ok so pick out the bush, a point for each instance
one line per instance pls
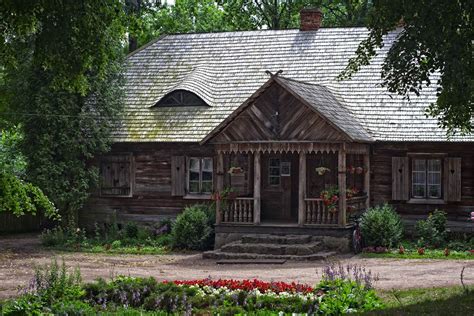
(193, 228)
(432, 231)
(381, 226)
(131, 230)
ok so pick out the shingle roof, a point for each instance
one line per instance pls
(329, 106)
(224, 69)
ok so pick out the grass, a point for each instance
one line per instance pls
(413, 254)
(428, 301)
(123, 250)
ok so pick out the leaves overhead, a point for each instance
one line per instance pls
(437, 36)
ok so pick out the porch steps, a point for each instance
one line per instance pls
(272, 247)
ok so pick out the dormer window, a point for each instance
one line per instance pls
(181, 98)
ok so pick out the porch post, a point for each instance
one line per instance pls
(302, 189)
(257, 184)
(219, 185)
(342, 184)
(367, 178)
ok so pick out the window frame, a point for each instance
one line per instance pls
(426, 172)
(270, 175)
(200, 180)
(179, 97)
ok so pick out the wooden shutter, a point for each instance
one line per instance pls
(116, 175)
(452, 177)
(400, 178)
(178, 175)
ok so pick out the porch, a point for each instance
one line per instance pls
(288, 185)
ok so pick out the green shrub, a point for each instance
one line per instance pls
(432, 231)
(192, 229)
(131, 230)
(381, 226)
(116, 244)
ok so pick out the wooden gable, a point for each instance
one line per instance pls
(278, 115)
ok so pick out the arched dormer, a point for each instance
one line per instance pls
(180, 97)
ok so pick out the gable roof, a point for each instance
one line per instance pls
(225, 69)
(317, 97)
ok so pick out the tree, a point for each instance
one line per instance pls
(62, 64)
(437, 37)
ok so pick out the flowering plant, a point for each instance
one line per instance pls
(235, 170)
(249, 285)
(322, 170)
(330, 198)
(351, 192)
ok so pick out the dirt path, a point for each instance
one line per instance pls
(19, 254)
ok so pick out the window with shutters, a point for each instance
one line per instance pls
(115, 175)
(426, 178)
(200, 177)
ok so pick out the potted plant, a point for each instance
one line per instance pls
(351, 169)
(359, 170)
(351, 192)
(236, 170)
(330, 198)
(322, 170)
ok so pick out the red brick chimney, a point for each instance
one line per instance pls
(310, 19)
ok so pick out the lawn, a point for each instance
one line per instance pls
(427, 301)
(413, 254)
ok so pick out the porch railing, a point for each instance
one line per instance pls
(239, 210)
(318, 213)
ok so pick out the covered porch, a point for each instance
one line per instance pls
(290, 184)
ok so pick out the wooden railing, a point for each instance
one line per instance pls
(318, 213)
(239, 210)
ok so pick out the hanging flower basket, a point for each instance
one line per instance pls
(322, 170)
(351, 169)
(235, 170)
(359, 170)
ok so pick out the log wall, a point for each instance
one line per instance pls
(381, 176)
(151, 198)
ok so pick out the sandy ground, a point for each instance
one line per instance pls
(20, 253)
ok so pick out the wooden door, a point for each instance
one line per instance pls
(279, 188)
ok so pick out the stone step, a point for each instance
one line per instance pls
(273, 249)
(277, 239)
(219, 255)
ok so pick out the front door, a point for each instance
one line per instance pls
(279, 188)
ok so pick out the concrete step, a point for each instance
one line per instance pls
(219, 255)
(277, 239)
(273, 249)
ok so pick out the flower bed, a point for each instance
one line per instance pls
(342, 290)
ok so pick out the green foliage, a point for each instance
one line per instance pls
(437, 36)
(381, 226)
(346, 296)
(20, 197)
(193, 228)
(131, 230)
(432, 231)
(12, 160)
(62, 70)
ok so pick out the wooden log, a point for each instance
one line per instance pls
(342, 184)
(302, 189)
(257, 186)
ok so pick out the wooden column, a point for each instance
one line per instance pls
(367, 178)
(302, 189)
(342, 184)
(257, 185)
(219, 185)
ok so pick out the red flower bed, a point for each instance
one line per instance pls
(249, 285)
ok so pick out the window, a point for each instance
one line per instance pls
(115, 175)
(200, 175)
(274, 171)
(426, 178)
(181, 98)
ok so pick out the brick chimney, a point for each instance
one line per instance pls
(310, 19)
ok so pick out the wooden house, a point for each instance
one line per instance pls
(263, 113)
